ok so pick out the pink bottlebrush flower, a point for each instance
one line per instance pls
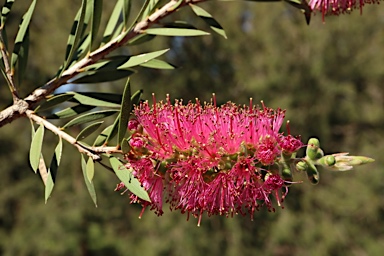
(337, 7)
(209, 159)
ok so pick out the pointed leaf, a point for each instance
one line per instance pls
(90, 186)
(126, 176)
(95, 19)
(126, 11)
(22, 34)
(90, 101)
(69, 112)
(52, 172)
(175, 32)
(125, 112)
(88, 130)
(53, 101)
(203, 14)
(108, 97)
(89, 117)
(113, 22)
(103, 136)
(101, 76)
(142, 58)
(141, 38)
(90, 169)
(75, 35)
(36, 146)
(113, 132)
(23, 57)
(157, 64)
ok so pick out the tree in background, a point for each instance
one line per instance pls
(84, 65)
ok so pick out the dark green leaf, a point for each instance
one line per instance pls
(142, 58)
(157, 64)
(22, 35)
(103, 136)
(90, 169)
(90, 186)
(53, 101)
(175, 32)
(125, 147)
(69, 112)
(88, 130)
(35, 149)
(126, 176)
(114, 130)
(75, 35)
(113, 22)
(95, 19)
(79, 97)
(108, 97)
(52, 172)
(203, 14)
(101, 76)
(125, 112)
(141, 38)
(89, 117)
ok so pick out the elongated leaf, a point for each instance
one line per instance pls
(126, 12)
(109, 63)
(126, 176)
(5, 11)
(142, 58)
(90, 101)
(53, 168)
(125, 112)
(175, 32)
(108, 97)
(88, 130)
(100, 140)
(114, 130)
(22, 35)
(150, 8)
(23, 57)
(35, 149)
(139, 39)
(89, 117)
(54, 101)
(69, 112)
(157, 64)
(101, 76)
(75, 35)
(204, 15)
(95, 19)
(90, 186)
(113, 22)
(90, 169)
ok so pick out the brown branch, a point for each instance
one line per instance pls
(7, 69)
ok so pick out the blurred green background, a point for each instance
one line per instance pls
(329, 77)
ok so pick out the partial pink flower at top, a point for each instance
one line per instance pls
(209, 159)
(337, 7)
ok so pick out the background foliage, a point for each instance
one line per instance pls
(328, 76)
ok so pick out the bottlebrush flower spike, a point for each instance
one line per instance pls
(337, 7)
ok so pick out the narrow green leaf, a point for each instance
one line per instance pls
(113, 22)
(35, 149)
(7, 7)
(175, 32)
(71, 111)
(150, 8)
(108, 63)
(125, 112)
(23, 57)
(90, 186)
(21, 35)
(88, 130)
(126, 12)
(139, 15)
(108, 97)
(157, 64)
(89, 117)
(135, 99)
(80, 98)
(125, 147)
(53, 101)
(90, 168)
(126, 176)
(141, 38)
(53, 168)
(75, 35)
(142, 58)
(100, 140)
(114, 130)
(101, 76)
(204, 15)
(95, 19)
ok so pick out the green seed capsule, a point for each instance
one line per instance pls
(313, 149)
(313, 174)
(301, 166)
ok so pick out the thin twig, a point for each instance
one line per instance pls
(7, 69)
